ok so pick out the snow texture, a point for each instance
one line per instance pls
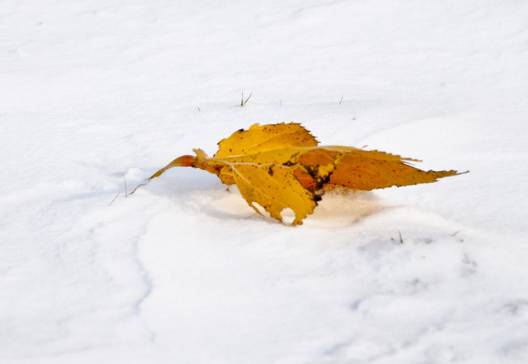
(96, 95)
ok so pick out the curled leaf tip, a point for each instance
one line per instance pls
(183, 161)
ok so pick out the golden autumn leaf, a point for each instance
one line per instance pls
(280, 166)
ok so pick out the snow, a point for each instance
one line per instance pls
(95, 95)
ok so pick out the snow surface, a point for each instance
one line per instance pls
(96, 94)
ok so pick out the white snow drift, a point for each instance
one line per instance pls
(95, 95)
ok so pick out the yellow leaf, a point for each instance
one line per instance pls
(280, 166)
(365, 170)
(274, 188)
(261, 138)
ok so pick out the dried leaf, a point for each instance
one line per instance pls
(281, 166)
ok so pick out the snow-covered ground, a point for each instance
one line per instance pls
(96, 94)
